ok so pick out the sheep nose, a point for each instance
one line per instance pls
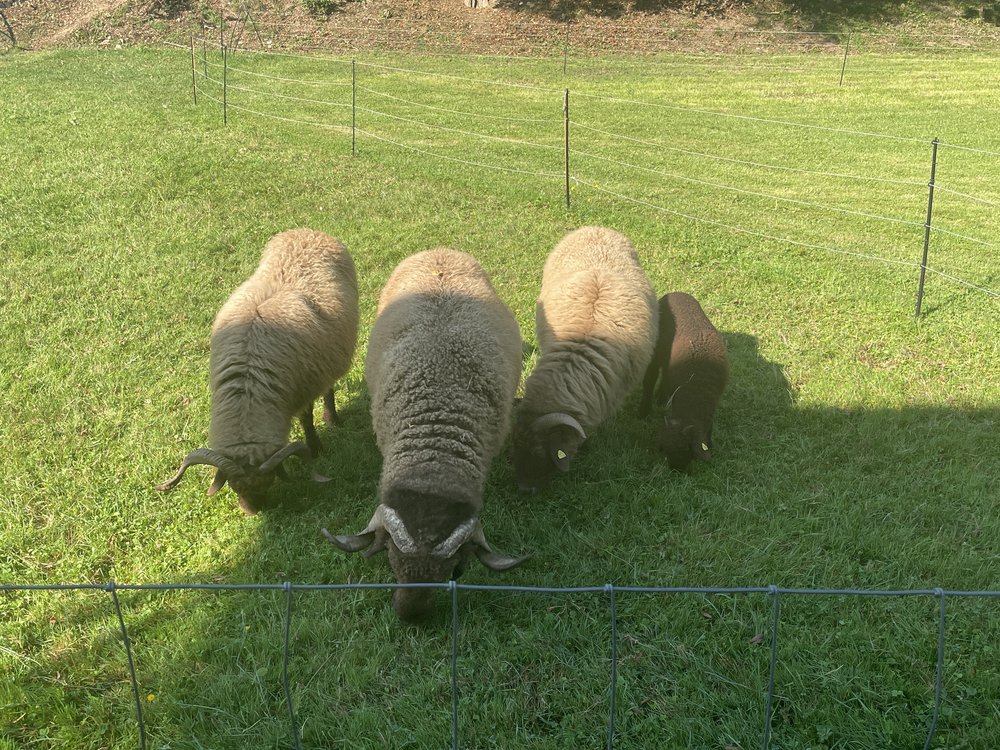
(527, 489)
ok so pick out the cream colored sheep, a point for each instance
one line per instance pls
(279, 342)
(443, 364)
(596, 321)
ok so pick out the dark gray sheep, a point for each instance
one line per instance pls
(691, 365)
(278, 343)
(443, 363)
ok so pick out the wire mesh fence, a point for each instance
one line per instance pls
(776, 594)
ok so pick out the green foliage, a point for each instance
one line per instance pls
(855, 446)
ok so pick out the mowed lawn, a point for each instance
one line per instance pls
(856, 447)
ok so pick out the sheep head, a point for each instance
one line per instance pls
(544, 445)
(417, 554)
(681, 443)
(249, 482)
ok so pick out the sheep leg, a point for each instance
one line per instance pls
(312, 439)
(648, 384)
(330, 408)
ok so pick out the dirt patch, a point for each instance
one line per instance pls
(492, 27)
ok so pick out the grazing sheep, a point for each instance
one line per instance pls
(279, 342)
(596, 323)
(691, 364)
(444, 361)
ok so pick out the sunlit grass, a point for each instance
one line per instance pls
(856, 447)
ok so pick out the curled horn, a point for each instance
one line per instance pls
(201, 456)
(491, 559)
(456, 539)
(299, 449)
(556, 419)
(397, 530)
(373, 535)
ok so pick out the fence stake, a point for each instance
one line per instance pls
(939, 672)
(566, 140)
(454, 663)
(610, 589)
(284, 667)
(204, 55)
(769, 705)
(194, 75)
(354, 88)
(225, 87)
(113, 590)
(927, 226)
(843, 66)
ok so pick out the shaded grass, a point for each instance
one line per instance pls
(857, 447)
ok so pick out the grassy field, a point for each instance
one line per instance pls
(856, 446)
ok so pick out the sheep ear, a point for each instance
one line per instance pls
(562, 452)
(218, 483)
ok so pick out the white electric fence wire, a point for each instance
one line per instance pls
(742, 230)
(304, 82)
(457, 111)
(435, 74)
(230, 105)
(457, 160)
(963, 282)
(786, 123)
(963, 237)
(461, 132)
(939, 189)
(942, 144)
(720, 186)
(730, 160)
(279, 96)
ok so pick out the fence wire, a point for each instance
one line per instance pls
(586, 127)
(610, 590)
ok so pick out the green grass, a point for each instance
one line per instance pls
(856, 447)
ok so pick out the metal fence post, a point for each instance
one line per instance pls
(613, 610)
(112, 589)
(774, 593)
(453, 587)
(286, 685)
(204, 55)
(566, 140)
(927, 226)
(225, 87)
(194, 75)
(843, 66)
(354, 89)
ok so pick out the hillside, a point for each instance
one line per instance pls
(499, 26)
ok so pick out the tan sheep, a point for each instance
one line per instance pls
(596, 321)
(443, 364)
(279, 342)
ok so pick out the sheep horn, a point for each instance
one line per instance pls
(491, 559)
(298, 448)
(201, 456)
(556, 419)
(456, 539)
(397, 530)
(373, 534)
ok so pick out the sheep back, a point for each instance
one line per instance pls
(443, 364)
(280, 341)
(596, 320)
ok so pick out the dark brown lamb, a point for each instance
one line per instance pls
(691, 364)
